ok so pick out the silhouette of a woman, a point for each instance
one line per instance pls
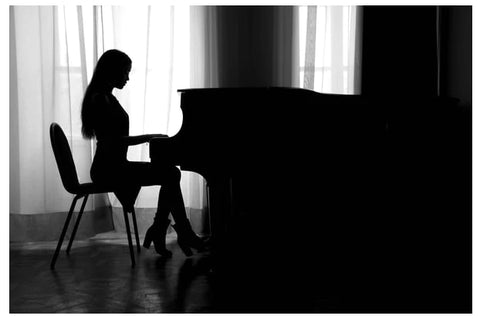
(104, 118)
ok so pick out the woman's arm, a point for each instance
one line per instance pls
(106, 110)
(140, 139)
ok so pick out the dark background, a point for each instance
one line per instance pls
(393, 212)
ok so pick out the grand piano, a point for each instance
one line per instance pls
(245, 141)
(357, 188)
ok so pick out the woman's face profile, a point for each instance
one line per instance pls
(123, 77)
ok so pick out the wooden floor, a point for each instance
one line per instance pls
(97, 278)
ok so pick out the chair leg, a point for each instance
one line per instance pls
(137, 239)
(129, 236)
(74, 232)
(64, 231)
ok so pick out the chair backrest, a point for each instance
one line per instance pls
(64, 158)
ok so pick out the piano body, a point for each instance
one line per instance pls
(261, 149)
(357, 188)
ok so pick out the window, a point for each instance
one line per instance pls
(327, 48)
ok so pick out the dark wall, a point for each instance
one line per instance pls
(399, 50)
(423, 50)
(456, 53)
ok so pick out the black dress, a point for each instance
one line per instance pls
(110, 166)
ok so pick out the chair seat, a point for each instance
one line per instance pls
(126, 197)
(95, 188)
(92, 188)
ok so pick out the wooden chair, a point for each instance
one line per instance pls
(68, 174)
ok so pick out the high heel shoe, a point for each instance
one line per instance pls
(187, 239)
(156, 234)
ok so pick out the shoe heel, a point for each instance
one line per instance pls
(148, 240)
(147, 244)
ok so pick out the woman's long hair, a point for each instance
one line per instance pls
(108, 68)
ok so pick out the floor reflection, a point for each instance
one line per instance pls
(98, 279)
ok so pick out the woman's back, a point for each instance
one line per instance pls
(111, 125)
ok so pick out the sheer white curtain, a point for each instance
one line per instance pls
(45, 86)
(330, 48)
(53, 50)
(47, 80)
(204, 47)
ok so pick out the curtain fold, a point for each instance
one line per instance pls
(204, 50)
(14, 148)
(244, 46)
(48, 88)
(310, 38)
(45, 87)
(330, 48)
(285, 70)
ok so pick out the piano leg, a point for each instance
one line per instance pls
(220, 210)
